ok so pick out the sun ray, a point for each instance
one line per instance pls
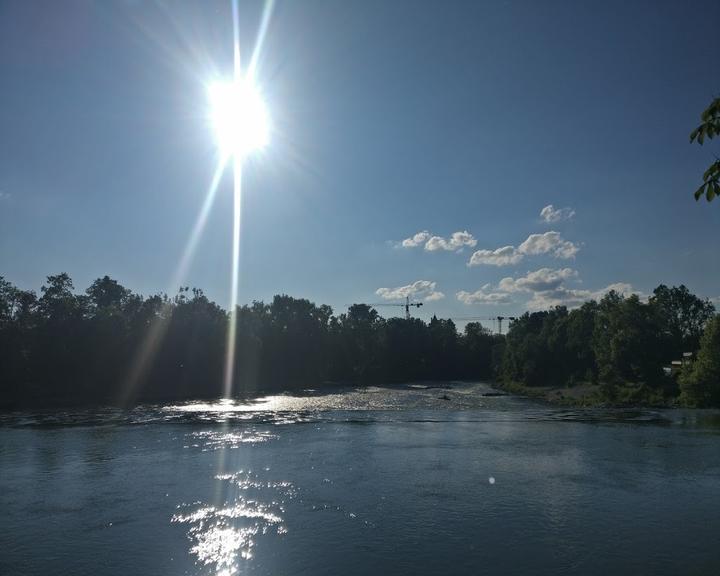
(199, 227)
(240, 122)
(146, 352)
(232, 323)
(262, 32)
(236, 40)
(158, 326)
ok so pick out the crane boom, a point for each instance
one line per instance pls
(407, 305)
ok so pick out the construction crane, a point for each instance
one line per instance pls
(408, 304)
(500, 321)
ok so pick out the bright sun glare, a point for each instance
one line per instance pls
(239, 117)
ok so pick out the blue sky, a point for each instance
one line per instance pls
(389, 119)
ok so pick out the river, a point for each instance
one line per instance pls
(380, 480)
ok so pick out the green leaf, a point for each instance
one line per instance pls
(699, 192)
(710, 192)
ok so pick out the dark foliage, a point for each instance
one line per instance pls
(112, 346)
(109, 345)
(700, 381)
(614, 341)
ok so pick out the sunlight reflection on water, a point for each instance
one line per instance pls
(399, 397)
(249, 504)
(419, 479)
(223, 536)
(225, 405)
(214, 440)
(476, 402)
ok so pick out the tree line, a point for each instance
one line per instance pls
(110, 345)
(618, 341)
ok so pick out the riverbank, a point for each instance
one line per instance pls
(586, 394)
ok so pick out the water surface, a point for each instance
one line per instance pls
(408, 479)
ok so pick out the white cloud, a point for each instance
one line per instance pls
(571, 298)
(537, 281)
(549, 243)
(421, 289)
(560, 296)
(500, 257)
(455, 243)
(416, 240)
(485, 295)
(547, 288)
(550, 214)
(435, 295)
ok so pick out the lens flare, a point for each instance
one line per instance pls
(155, 334)
(239, 117)
(230, 352)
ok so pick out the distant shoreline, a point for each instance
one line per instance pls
(588, 395)
(582, 395)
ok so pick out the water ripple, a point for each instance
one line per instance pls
(213, 440)
(222, 537)
(458, 402)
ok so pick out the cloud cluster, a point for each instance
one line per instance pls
(551, 215)
(572, 298)
(540, 280)
(551, 243)
(416, 240)
(504, 256)
(539, 289)
(455, 243)
(420, 290)
(485, 295)
(547, 288)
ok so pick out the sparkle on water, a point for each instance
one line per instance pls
(223, 536)
(420, 478)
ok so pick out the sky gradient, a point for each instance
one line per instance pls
(394, 126)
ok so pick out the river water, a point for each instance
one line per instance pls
(386, 480)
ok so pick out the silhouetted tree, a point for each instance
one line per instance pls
(627, 341)
(405, 344)
(580, 353)
(614, 341)
(477, 347)
(355, 350)
(443, 361)
(682, 317)
(110, 345)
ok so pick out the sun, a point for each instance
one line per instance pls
(239, 117)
